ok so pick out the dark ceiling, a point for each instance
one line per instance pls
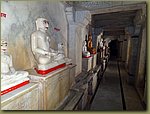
(94, 5)
(113, 23)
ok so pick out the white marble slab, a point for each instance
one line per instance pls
(24, 98)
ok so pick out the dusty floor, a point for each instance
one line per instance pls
(114, 93)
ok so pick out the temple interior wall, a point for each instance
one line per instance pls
(19, 23)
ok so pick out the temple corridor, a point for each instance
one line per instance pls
(74, 55)
(113, 92)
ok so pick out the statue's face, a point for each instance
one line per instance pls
(42, 23)
(101, 33)
(3, 46)
(90, 37)
(46, 24)
(84, 43)
(60, 45)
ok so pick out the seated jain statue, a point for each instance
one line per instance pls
(85, 53)
(46, 58)
(10, 78)
(100, 40)
(90, 45)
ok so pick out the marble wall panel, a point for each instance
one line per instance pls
(53, 87)
(19, 23)
(78, 48)
(24, 98)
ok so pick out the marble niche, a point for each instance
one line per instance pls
(16, 87)
(86, 58)
(54, 72)
(92, 51)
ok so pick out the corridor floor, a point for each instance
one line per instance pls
(114, 93)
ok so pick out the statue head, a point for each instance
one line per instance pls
(101, 34)
(90, 37)
(60, 46)
(101, 42)
(3, 46)
(42, 24)
(84, 43)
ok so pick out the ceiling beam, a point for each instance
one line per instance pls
(114, 15)
(117, 24)
(101, 22)
(128, 7)
(112, 18)
(114, 29)
(112, 26)
(114, 33)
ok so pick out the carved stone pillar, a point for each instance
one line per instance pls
(77, 22)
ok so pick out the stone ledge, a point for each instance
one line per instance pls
(72, 100)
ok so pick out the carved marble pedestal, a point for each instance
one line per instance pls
(86, 64)
(94, 58)
(54, 86)
(24, 98)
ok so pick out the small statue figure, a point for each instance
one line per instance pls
(45, 56)
(6, 61)
(101, 43)
(9, 76)
(85, 53)
(60, 48)
(90, 45)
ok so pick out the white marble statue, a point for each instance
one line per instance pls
(84, 50)
(61, 50)
(6, 60)
(45, 56)
(40, 42)
(100, 40)
(101, 43)
(9, 76)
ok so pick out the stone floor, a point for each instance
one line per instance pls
(114, 93)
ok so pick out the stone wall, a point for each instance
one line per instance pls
(19, 23)
(78, 29)
(142, 59)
